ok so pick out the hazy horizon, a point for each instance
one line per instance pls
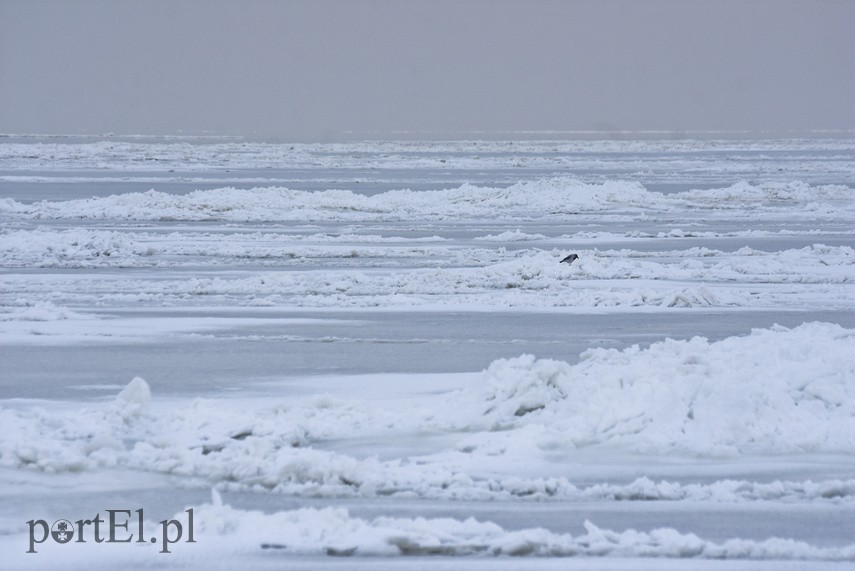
(333, 70)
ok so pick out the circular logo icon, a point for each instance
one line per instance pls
(62, 531)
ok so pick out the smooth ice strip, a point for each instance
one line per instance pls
(43, 323)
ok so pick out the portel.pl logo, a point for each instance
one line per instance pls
(118, 527)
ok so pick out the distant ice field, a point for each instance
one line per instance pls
(50, 169)
(371, 350)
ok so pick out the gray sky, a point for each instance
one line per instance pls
(320, 69)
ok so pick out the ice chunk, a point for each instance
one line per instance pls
(134, 400)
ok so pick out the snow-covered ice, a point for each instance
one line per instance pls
(779, 391)
(371, 320)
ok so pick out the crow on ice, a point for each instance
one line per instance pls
(570, 259)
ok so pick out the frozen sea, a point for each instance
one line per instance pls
(367, 355)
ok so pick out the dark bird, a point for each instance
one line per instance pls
(570, 259)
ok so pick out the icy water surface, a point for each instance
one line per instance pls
(317, 346)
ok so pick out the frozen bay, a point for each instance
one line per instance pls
(327, 328)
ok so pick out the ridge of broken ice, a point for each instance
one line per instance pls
(335, 532)
(189, 155)
(470, 277)
(775, 391)
(550, 198)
